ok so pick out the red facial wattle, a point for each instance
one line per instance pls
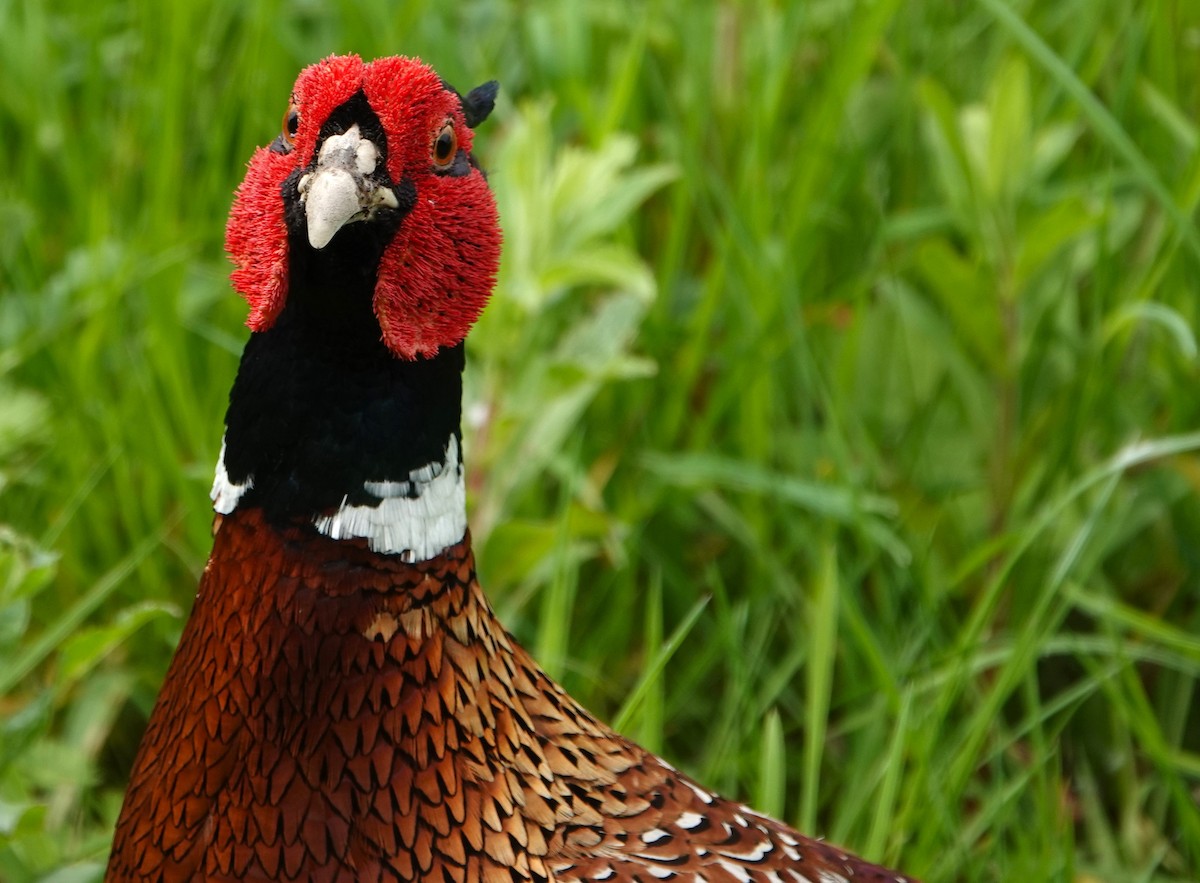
(436, 274)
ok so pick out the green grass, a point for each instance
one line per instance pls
(834, 427)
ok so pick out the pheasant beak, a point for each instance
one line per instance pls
(340, 188)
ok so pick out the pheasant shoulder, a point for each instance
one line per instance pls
(623, 814)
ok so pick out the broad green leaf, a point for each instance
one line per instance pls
(965, 292)
(1009, 133)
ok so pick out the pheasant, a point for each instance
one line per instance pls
(344, 704)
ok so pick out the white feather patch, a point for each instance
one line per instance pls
(756, 854)
(830, 877)
(740, 873)
(416, 518)
(225, 494)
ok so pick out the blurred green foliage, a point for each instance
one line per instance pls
(833, 428)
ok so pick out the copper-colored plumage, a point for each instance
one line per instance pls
(334, 714)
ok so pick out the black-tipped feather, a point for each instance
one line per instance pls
(479, 102)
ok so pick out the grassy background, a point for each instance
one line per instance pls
(833, 429)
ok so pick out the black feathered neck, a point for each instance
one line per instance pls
(321, 405)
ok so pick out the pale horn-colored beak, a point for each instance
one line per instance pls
(339, 190)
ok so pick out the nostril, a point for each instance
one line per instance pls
(366, 157)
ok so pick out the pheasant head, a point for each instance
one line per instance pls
(374, 161)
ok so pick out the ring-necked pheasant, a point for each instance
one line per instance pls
(344, 705)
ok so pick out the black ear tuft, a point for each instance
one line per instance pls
(478, 103)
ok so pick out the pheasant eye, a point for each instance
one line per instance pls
(291, 125)
(445, 146)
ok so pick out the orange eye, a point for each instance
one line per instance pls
(445, 147)
(291, 125)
